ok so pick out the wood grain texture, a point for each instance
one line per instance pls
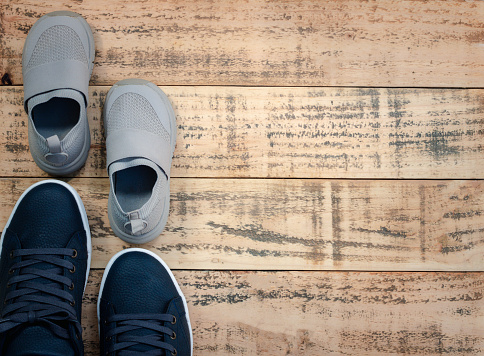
(286, 43)
(321, 313)
(293, 132)
(255, 85)
(246, 224)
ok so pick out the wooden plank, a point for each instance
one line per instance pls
(293, 132)
(290, 43)
(292, 224)
(321, 313)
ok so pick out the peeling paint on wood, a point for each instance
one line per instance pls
(293, 132)
(266, 224)
(322, 313)
(286, 43)
(295, 126)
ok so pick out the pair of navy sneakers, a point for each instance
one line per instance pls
(44, 266)
(46, 243)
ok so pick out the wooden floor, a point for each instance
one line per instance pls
(327, 192)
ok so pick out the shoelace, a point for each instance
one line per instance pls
(35, 302)
(130, 322)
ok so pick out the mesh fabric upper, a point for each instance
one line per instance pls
(57, 43)
(133, 111)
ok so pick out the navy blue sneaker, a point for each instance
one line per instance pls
(44, 263)
(141, 309)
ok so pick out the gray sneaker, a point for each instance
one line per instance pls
(57, 63)
(140, 130)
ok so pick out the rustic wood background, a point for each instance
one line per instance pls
(327, 194)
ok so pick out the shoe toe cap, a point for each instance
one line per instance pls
(47, 216)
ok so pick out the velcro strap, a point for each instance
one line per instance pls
(67, 74)
(131, 143)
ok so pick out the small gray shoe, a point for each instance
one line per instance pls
(140, 128)
(57, 62)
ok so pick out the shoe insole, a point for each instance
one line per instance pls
(56, 117)
(133, 186)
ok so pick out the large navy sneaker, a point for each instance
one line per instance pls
(44, 263)
(141, 309)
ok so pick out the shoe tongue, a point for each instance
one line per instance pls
(58, 93)
(38, 340)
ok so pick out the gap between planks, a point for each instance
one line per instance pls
(101, 269)
(107, 87)
(271, 178)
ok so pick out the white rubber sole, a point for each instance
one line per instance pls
(158, 258)
(80, 205)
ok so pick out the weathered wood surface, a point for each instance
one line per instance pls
(321, 313)
(279, 132)
(293, 132)
(266, 224)
(284, 43)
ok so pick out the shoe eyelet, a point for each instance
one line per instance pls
(8, 284)
(108, 338)
(71, 287)
(174, 353)
(11, 254)
(173, 336)
(174, 320)
(72, 303)
(74, 253)
(11, 271)
(73, 269)
(105, 322)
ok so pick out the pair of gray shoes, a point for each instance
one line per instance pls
(139, 122)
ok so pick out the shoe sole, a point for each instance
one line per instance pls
(158, 258)
(81, 159)
(158, 229)
(80, 205)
